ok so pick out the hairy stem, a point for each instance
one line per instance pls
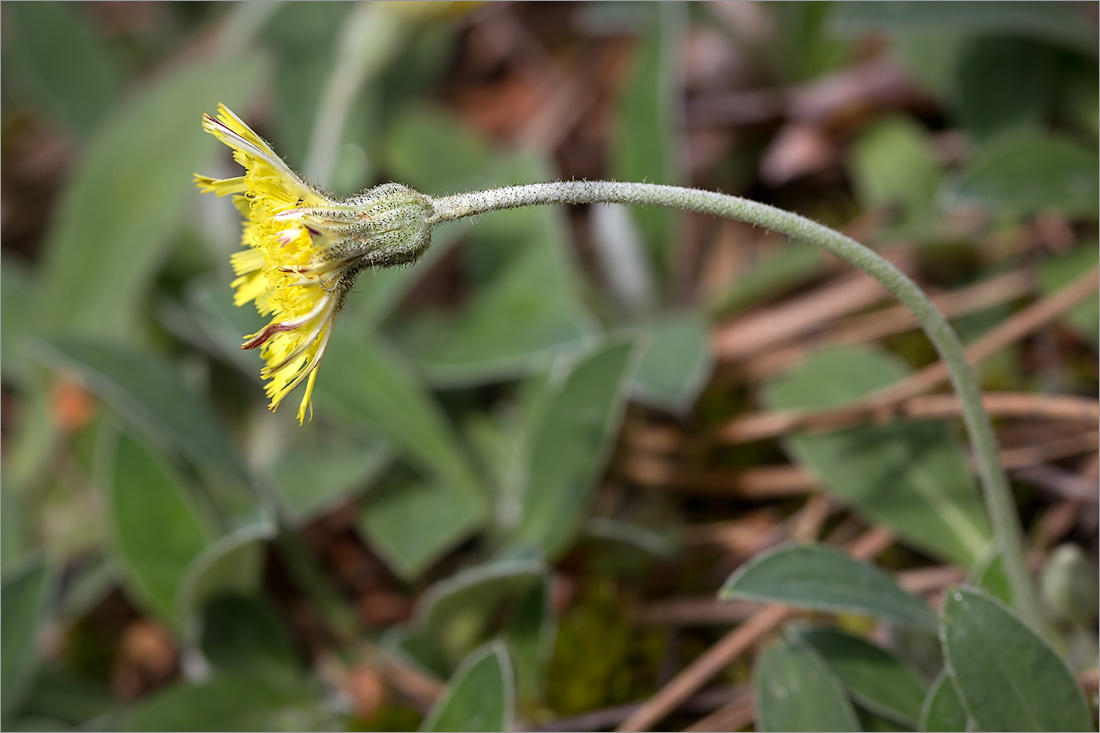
(998, 499)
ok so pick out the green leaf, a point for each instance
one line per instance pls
(366, 385)
(525, 300)
(30, 724)
(1077, 97)
(569, 444)
(799, 46)
(480, 696)
(913, 477)
(364, 46)
(1058, 271)
(149, 392)
(208, 302)
(988, 573)
(301, 37)
(243, 636)
(643, 146)
(418, 648)
(515, 323)
(411, 524)
(930, 58)
(530, 637)
(72, 700)
(234, 563)
(1040, 20)
(1068, 587)
(63, 65)
(794, 690)
(313, 476)
(434, 152)
(456, 612)
(892, 163)
(675, 362)
(822, 578)
(873, 723)
(942, 710)
(157, 529)
(16, 315)
(226, 703)
(23, 604)
(128, 193)
(1024, 174)
(15, 522)
(1006, 675)
(1003, 84)
(875, 678)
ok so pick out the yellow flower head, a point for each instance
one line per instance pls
(303, 251)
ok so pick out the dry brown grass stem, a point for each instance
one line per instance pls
(1015, 405)
(772, 482)
(889, 321)
(886, 402)
(734, 715)
(735, 643)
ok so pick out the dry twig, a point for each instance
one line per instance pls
(889, 321)
(762, 425)
(733, 644)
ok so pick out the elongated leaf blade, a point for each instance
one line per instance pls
(569, 443)
(1040, 20)
(65, 67)
(16, 316)
(126, 197)
(366, 385)
(913, 477)
(67, 697)
(1006, 675)
(644, 146)
(243, 635)
(515, 324)
(411, 524)
(794, 690)
(480, 696)
(524, 305)
(1024, 174)
(233, 563)
(151, 394)
(675, 362)
(1058, 271)
(530, 637)
(314, 476)
(892, 163)
(875, 678)
(1004, 84)
(942, 710)
(229, 703)
(456, 611)
(823, 578)
(22, 610)
(158, 531)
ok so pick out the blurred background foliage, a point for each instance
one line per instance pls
(519, 493)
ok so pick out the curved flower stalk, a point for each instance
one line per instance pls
(304, 250)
